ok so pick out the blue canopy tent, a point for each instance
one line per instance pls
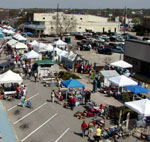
(72, 83)
(1, 35)
(136, 89)
(28, 33)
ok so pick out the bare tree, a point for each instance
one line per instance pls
(63, 24)
(107, 60)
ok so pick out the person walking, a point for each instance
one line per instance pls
(52, 96)
(72, 103)
(98, 134)
(22, 101)
(83, 127)
(35, 76)
(90, 130)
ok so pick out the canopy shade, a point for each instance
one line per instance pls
(72, 83)
(12, 42)
(121, 64)
(122, 81)
(10, 77)
(109, 73)
(20, 45)
(31, 55)
(136, 89)
(59, 43)
(45, 62)
(141, 106)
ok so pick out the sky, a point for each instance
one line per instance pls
(78, 4)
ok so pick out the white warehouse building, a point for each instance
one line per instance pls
(46, 23)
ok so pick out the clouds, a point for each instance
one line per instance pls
(88, 4)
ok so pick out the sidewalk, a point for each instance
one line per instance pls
(6, 130)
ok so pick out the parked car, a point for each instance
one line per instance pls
(106, 51)
(6, 66)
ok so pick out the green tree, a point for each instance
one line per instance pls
(136, 20)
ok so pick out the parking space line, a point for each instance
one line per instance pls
(30, 113)
(62, 134)
(38, 128)
(25, 100)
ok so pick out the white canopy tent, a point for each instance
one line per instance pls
(142, 107)
(33, 43)
(20, 45)
(60, 44)
(122, 81)
(19, 37)
(12, 42)
(49, 48)
(106, 74)
(31, 55)
(39, 47)
(10, 77)
(121, 64)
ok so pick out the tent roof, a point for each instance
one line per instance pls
(122, 81)
(136, 89)
(33, 43)
(12, 42)
(121, 64)
(10, 77)
(49, 47)
(72, 83)
(140, 106)
(20, 45)
(44, 62)
(31, 55)
(109, 73)
(59, 42)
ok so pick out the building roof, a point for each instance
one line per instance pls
(138, 41)
(34, 26)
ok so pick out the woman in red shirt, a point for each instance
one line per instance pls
(83, 127)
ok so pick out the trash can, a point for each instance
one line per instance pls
(67, 39)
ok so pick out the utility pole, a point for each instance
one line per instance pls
(57, 19)
(125, 16)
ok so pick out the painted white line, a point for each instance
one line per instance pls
(29, 113)
(38, 128)
(62, 134)
(20, 103)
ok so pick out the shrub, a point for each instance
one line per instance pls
(67, 75)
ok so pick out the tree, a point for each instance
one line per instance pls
(136, 20)
(63, 24)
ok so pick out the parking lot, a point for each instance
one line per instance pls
(44, 122)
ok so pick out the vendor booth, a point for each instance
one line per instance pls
(105, 75)
(10, 77)
(70, 84)
(43, 67)
(121, 64)
(122, 81)
(31, 55)
(60, 44)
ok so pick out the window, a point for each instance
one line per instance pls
(80, 18)
(71, 18)
(43, 18)
(79, 27)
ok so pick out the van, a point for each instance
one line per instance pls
(6, 66)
